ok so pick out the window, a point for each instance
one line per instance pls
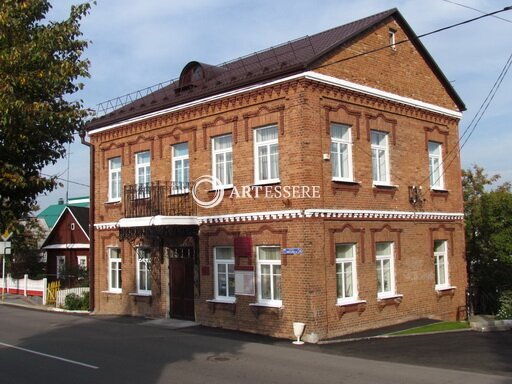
(441, 263)
(392, 39)
(61, 267)
(269, 275)
(114, 179)
(223, 160)
(180, 168)
(435, 160)
(114, 270)
(142, 174)
(385, 270)
(143, 260)
(82, 262)
(341, 152)
(224, 258)
(380, 157)
(266, 155)
(346, 278)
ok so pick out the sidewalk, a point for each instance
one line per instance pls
(35, 302)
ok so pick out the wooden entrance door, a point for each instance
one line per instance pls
(181, 283)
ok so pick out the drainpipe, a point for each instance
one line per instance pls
(82, 135)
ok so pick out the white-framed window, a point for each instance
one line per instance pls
(380, 157)
(392, 38)
(269, 275)
(143, 261)
(224, 273)
(143, 173)
(435, 161)
(385, 270)
(114, 179)
(346, 275)
(222, 156)
(61, 266)
(114, 269)
(82, 262)
(341, 152)
(441, 263)
(180, 168)
(266, 158)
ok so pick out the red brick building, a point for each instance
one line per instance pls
(338, 185)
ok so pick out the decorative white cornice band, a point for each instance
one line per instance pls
(67, 246)
(281, 215)
(382, 215)
(310, 75)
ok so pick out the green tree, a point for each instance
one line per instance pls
(488, 216)
(40, 68)
(25, 258)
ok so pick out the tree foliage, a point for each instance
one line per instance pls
(41, 66)
(488, 215)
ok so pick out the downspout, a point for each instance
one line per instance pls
(91, 273)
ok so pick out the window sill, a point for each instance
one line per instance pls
(227, 305)
(348, 303)
(266, 182)
(221, 187)
(345, 185)
(180, 193)
(358, 306)
(113, 292)
(445, 291)
(438, 190)
(221, 301)
(267, 305)
(384, 186)
(390, 297)
(345, 181)
(258, 309)
(140, 294)
(113, 202)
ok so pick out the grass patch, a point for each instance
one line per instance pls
(436, 327)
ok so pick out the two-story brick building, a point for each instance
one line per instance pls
(336, 200)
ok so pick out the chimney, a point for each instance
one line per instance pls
(61, 201)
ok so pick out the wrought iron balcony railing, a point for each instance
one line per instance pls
(167, 199)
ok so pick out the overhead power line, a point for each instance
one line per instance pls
(66, 180)
(477, 10)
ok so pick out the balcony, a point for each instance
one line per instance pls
(165, 199)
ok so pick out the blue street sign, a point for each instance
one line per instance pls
(292, 251)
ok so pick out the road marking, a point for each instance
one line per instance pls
(50, 356)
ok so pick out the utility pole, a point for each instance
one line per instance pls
(5, 247)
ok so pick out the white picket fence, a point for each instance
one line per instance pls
(25, 286)
(61, 295)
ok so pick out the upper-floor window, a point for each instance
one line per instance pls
(114, 270)
(341, 152)
(143, 260)
(224, 276)
(385, 270)
(441, 263)
(143, 173)
(435, 160)
(380, 157)
(223, 160)
(269, 275)
(114, 179)
(346, 277)
(392, 38)
(180, 168)
(266, 155)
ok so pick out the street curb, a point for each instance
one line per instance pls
(389, 336)
(45, 309)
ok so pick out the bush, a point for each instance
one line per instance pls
(76, 302)
(505, 306)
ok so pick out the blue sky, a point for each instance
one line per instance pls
(138, 43)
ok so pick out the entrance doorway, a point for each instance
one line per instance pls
(181, 283)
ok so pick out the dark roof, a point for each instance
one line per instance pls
(272, 63)
(82, 216)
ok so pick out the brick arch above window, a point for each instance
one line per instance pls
(380, 122)
(220, 126)
(343, 115)
(387, 233)
(359, 234)
(264, 115)
(177, 134)
(437, 134)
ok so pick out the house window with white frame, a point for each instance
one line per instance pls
(385, 270)
(341, 152)
(441, 263)
(435, 160)
(392, 38)
(346, 276)
(61, 267)
(269, 275)
(380, 157)
(114, 270)
(222, 155)
(180, 168)
(143, 260)
(114, 179)
(266, 151)
(82, 262)
(224, 274)
(143, 173)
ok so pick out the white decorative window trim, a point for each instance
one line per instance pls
(367, 214)
(105, 226)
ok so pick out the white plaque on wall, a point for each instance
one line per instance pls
(244, 283)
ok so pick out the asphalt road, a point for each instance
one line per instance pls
(40, 347)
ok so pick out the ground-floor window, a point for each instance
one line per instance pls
(441, 263)
(143, 258)
(269, 275)
(385, 270)
(224, 274)
(346, 277)
(114, 270)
